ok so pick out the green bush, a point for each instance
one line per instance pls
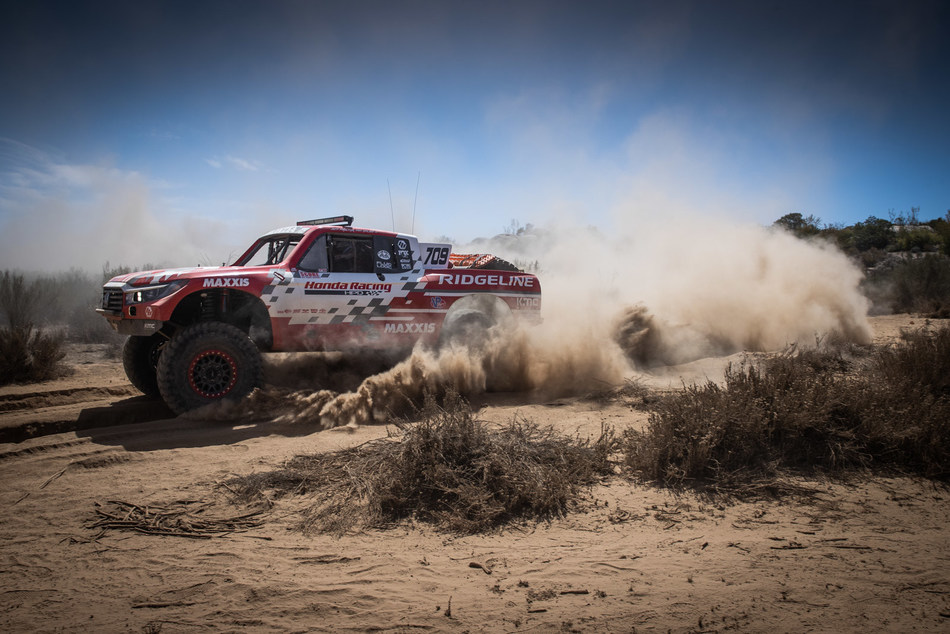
(873, 233)
(799, 225)
(917, 239)
(941, 227)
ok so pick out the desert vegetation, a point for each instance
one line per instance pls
(906, 261)
(40, 314)
(832, 411)
(821, 411)
(447, 468)
(26, 353)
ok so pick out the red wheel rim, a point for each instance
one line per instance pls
(212, 373)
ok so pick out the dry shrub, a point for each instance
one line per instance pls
(798, 413)
(28, 355)
(906, 403)
(631, 393)
(919, 285)
(448, 469)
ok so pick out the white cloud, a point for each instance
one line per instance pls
(56, 215)
(238, 163)
(243, 164)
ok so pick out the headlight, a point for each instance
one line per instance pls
(152, 293)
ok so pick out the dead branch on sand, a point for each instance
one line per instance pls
(179, 519)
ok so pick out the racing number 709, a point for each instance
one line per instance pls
(437, 255)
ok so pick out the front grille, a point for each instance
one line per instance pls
(112, 299)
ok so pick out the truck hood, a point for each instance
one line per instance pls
(163, 276)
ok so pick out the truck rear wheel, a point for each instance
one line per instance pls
(466, 327)
(207, 363)
(140, 358)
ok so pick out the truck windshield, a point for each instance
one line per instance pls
(270, 250)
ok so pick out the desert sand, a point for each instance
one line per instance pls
(866, 554)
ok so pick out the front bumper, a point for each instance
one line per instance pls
(134, 327)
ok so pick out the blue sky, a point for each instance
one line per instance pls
(145, 131)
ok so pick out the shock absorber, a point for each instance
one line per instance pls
(223, 303)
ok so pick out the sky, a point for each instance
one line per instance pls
(147, 131)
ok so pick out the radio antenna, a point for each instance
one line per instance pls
(414, 200)
(392, 214)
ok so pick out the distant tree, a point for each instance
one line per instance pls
(905, 218)
(19, 300)
(801, 226)
(941, 227)
(513, 228)
(873, 233)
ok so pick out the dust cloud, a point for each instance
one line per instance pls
(653, 296)
(681, 290)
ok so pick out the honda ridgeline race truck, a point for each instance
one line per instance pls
(196, 334)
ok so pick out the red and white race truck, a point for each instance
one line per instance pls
(197, 333)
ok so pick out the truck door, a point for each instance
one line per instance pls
(340, 292)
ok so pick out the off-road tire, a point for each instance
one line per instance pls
(207, 363)
(140, 359)
(466, 327)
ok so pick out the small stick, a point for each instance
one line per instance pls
(475, 564)
(162, 604)
(53, 477)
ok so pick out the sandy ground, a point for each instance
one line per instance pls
(865, 555)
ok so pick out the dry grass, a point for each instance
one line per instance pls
(815, 410)
(448, 469)
(28, 355)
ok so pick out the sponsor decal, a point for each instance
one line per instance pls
(229, 282)
(437, 303)
(402, 245)
(469, 279)
(383, 255)
(303, 311)
(348, 286)
(416, 329)
(528, 302)
(436, 255)
(384, 265)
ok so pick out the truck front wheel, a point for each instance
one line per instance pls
(206, 363)
(140, 358)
